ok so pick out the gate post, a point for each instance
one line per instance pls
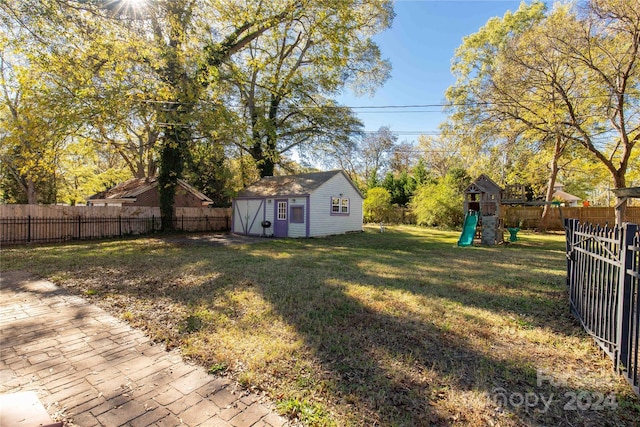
(625, 316)
(570, 226)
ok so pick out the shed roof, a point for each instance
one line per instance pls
(291, 185)
(131, 189)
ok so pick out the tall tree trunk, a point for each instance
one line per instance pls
(621, 205)
(32, 194)
(171, 167)
(553, 175)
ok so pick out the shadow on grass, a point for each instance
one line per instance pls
(362, 348)
(380, 363)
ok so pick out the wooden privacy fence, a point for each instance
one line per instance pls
(603, 276)
(27, 224)
(529, 216)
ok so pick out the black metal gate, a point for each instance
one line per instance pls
(603, 276)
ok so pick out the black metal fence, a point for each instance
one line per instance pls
(603, 276)
(47, 230)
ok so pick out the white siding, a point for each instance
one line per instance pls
(269, 215)
(248, 214)
(322, 222)
(298, 229)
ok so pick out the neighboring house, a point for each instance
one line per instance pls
(305, 205)
(144, 192)
(569, 199)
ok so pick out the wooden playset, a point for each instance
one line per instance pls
(483, 202)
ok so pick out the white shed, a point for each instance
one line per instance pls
(305, 205)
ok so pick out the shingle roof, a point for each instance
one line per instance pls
(563, 195)
(290, 185)
(134, 187)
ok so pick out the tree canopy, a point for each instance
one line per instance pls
(170, 84)
(563, 82)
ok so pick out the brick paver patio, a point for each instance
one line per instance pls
(91, 369)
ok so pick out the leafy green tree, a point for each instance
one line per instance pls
(285, 80)
(556, 81)
(603, 47)
(178, 45)
(85, 168)
(420, 173)
(37, 124)
(441, 203)
(207, 169)
(401, 187)
(377, 205)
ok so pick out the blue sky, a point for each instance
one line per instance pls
(420, 46)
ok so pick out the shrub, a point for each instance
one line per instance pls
(439, 204)
(377, 206)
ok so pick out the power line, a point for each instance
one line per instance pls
(377, 107)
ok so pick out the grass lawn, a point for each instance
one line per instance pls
(395, 329)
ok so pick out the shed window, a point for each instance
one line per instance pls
(282, 211)
(339, 205)
(297, 214)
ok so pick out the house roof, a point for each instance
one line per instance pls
(129, 190)
(291, 185)
(563, 195)
(484, 184)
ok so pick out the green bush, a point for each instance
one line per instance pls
(377, 206)
(439, 204)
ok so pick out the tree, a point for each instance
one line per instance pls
(84, 168)
(440, 154)
(37, 125)
(284, 81)
(420, 173)
(376, 149)
(440, 203)
(401, 188)
(558, 81)
(403, 157)
(208, 170)
(377, 205)
(604, 47)
(181, 55)
(489, 93)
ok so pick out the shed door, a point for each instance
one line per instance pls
(280, 228)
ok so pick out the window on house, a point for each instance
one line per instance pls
(339, 205)
(282, 211)
(297, 214)
(335, 204)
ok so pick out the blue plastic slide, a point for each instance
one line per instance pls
(468, 229)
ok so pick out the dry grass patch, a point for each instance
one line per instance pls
(394, 329)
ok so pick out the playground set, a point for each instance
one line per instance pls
(483, 201)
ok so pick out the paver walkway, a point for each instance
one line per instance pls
(89, 368)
